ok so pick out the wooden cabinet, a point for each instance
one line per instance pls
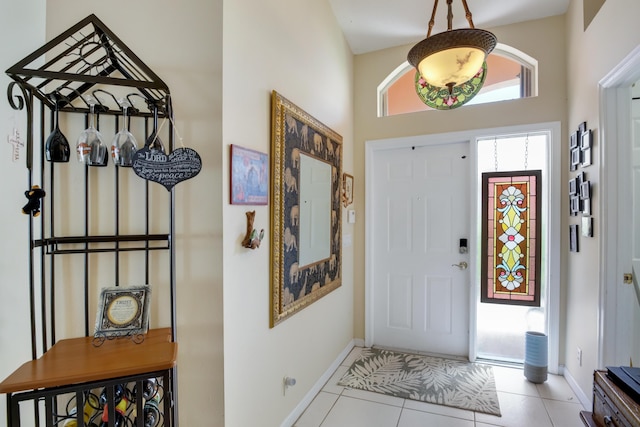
(119, 381)
(611, 405)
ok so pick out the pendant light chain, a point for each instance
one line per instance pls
(526, 152)
(495, 153)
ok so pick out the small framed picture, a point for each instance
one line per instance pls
(123, 311)
(573, 139)
(582, 127)
(587, 226)
(585, 148)
(586, 157)
(347, 189)
(586, 206)
(585, 190)
(249, 180)
(573, 186)
(575, 206)
(575, 158)
(573, 238)
(585, 139)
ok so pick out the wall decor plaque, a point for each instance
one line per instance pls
(167, 170)
(122, 312)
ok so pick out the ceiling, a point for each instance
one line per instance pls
(370, 25)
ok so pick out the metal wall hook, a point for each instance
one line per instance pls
(99, 107)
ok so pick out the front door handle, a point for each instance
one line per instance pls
(462, 266)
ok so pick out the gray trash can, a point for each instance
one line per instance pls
(535, 357)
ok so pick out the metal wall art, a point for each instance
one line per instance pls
(580, 191)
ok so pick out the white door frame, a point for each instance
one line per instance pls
(614, 127)
(553, 315)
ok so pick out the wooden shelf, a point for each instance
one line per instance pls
(76, 360)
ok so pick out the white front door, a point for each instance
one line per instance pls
(421, 211)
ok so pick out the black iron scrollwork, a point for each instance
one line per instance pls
(23, 100)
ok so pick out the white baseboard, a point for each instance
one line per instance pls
(583, 398)
(308, 398)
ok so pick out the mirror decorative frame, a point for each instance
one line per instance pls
(294, 131)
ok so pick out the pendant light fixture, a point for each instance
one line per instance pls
(453, 57)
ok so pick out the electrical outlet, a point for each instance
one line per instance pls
(579, 356)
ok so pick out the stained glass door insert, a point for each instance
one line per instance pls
(510, 238)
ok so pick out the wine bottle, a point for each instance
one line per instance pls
(91, 406)
(118, 394)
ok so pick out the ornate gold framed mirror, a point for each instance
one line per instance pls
(306, 223)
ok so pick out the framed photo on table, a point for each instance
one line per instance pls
(122, 312)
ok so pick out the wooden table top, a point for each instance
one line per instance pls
(76, 360)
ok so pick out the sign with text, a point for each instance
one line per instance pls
(168, 170)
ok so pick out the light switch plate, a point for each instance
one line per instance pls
(351, 216)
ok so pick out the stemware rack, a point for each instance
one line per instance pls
(90, 60)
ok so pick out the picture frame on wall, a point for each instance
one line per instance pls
(573, 139)
(587, 226)
(585, 148)
(347, 189)
(249, 180)
(575, 158)
(586, 206)
(585, 190)
(573, 238)
(573, 187)
(575, 205)
(582, 127)
(574, 151)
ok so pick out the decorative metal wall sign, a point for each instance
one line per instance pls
(510, 272)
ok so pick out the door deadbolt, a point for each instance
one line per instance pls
(462, 266)
(627, 278)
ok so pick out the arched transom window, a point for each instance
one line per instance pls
(511, 74)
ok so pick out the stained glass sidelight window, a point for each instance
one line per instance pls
(511, 238)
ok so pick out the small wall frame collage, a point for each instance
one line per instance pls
(580, 144)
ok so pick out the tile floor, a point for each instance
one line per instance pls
(523, 404)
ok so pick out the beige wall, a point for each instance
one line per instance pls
(542, 39)
(591, 55)
(297, 49)
(300, 51)
(22, 23)
(182, 43)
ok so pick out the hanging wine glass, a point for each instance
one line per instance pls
(124, 145)
(91, 148)
(154, 142)
(57, 147)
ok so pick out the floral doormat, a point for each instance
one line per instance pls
(429, 379)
